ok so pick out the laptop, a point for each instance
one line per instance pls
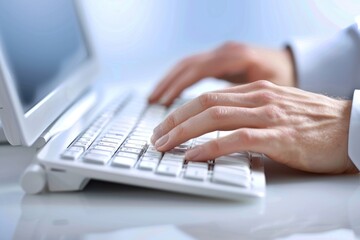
(50, 99)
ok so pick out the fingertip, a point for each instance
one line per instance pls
(153, 97)
(151, 101)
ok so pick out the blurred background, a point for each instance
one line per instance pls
(141, 39)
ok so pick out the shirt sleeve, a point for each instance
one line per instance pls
(332, 66)
(354, 130)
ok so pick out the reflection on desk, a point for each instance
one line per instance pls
(297, 205)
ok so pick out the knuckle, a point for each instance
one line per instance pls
(286, 133)
(263, 84)
(218, 113)
(273, 113)
(208, 100)
(267, 97)
(244, 137)
(180, 130)
(170, 121)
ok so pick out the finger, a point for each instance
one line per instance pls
(238, 78)
(187, 78)
(198, 105)
(171, 77)
(215, 118)
(246, 139)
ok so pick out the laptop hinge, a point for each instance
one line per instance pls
(68, 119)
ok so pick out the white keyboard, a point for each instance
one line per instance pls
(120, 139)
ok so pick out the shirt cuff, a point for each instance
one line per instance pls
(354, 130)
(329, 66)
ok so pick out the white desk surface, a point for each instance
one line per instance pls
(297, 206)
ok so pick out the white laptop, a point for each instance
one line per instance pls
(49, 99)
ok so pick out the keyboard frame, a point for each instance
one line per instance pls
(70, 175)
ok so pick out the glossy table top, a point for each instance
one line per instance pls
(297, 206)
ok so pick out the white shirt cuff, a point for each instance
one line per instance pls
(329, 66)
(354, 130)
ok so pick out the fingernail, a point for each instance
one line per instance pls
(162, 141)
(193, 153)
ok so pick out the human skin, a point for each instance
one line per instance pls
(234, 62)
(301, 129)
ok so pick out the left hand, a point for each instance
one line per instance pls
(301, 129)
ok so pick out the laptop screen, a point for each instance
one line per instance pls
(43, 43)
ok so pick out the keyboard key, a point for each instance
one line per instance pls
(105, 148)
(196, 173)
(155, 154)
(181, 148)
(86, 139)
(125, 162)
(144, 133)
(151, 147)
(173, 162)
(170, 155)
(131, 150)
(168, 170)
(130, 145)
(100, 152)
(72, 153)
(127, 155)
(140, 142)
(148, 165)
(142, 138)
(115, 136)
(118, 132)
(84, 145)
(107, 144)
(177, 151)
(186, 144)
(239, 154)
(174, 157)
(76, 149)
(233, 162)
(237, 170)
(231, 179)
(151, 158)
(198, 164)
(96, 158)
(88, 135)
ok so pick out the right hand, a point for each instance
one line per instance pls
(234, 62)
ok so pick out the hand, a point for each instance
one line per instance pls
(234, 62)
(301, 129)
